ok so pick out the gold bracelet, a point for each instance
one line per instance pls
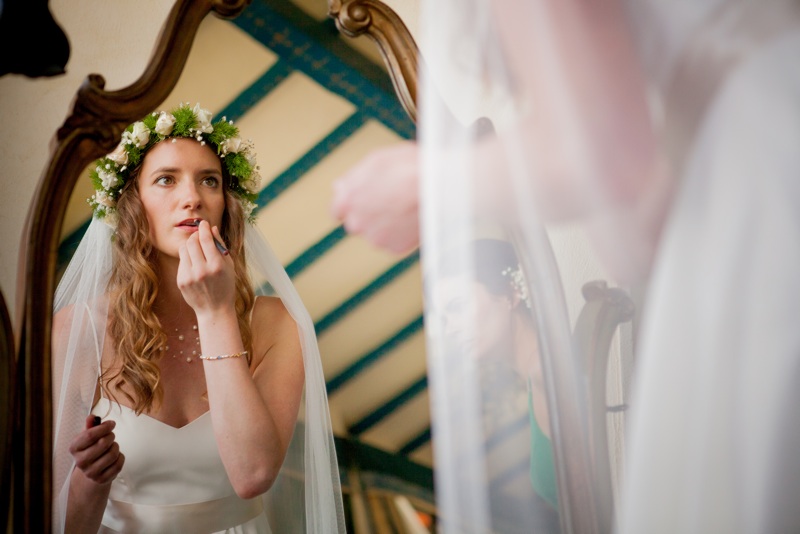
(223, 356)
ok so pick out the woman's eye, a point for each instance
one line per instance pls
(164, 180)
(211, 181)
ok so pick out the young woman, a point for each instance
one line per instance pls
(177, 389)
(488, 323)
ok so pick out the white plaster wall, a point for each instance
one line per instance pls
(110, 37)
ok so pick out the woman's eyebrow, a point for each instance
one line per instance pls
(160, 170)
(209, 170)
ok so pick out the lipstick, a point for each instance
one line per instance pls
(222, 248)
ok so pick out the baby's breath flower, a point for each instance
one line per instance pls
(247, 208)
(109, 179)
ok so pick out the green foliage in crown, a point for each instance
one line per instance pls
(113, 171)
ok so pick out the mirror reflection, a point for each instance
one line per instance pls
(486, 312)
(312, 106)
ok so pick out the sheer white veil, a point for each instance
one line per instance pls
(666, 132)
(306, 497)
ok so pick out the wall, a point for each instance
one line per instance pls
(114, 39)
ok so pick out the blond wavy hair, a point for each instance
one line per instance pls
(135, 330)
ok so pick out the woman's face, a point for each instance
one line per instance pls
(476, 320)
(179, 183)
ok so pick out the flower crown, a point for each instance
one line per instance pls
(114, 170)
(517, 279)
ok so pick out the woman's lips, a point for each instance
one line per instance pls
(194, 223)
(190, 222)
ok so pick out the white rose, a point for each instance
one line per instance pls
(111, 218)
(231, 146)
(165, 123)
(250, 156)
(102, 198)
(203, 119)
(253, 183)
(120, 155)
(139, 136)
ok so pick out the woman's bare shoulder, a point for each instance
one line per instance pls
(95, 311)
(270, 313)
(267, 304)
(272, 324)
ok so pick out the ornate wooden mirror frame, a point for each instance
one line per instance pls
(93, 127)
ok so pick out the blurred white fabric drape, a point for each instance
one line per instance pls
(670, 131)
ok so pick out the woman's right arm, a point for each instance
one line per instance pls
(98, 461)
(96, 454)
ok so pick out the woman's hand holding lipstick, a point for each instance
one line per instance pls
(218, 242)
(206, 277)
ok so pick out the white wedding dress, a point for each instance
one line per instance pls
(173, 480)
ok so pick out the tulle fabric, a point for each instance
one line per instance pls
(664, 130)
(306, 496)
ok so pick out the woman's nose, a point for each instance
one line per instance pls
(190, 196)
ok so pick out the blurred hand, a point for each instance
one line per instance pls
(96, 453)
(378, 199)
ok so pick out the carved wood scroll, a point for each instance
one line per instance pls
(380, 23)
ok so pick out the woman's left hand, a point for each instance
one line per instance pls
(206, 277)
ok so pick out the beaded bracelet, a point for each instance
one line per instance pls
(223, 356)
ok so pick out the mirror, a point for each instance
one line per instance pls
(312, 106)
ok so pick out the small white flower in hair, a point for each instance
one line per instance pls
(517, 279)
(108, 179)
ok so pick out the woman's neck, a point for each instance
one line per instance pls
(526, 344)
(169, 299)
